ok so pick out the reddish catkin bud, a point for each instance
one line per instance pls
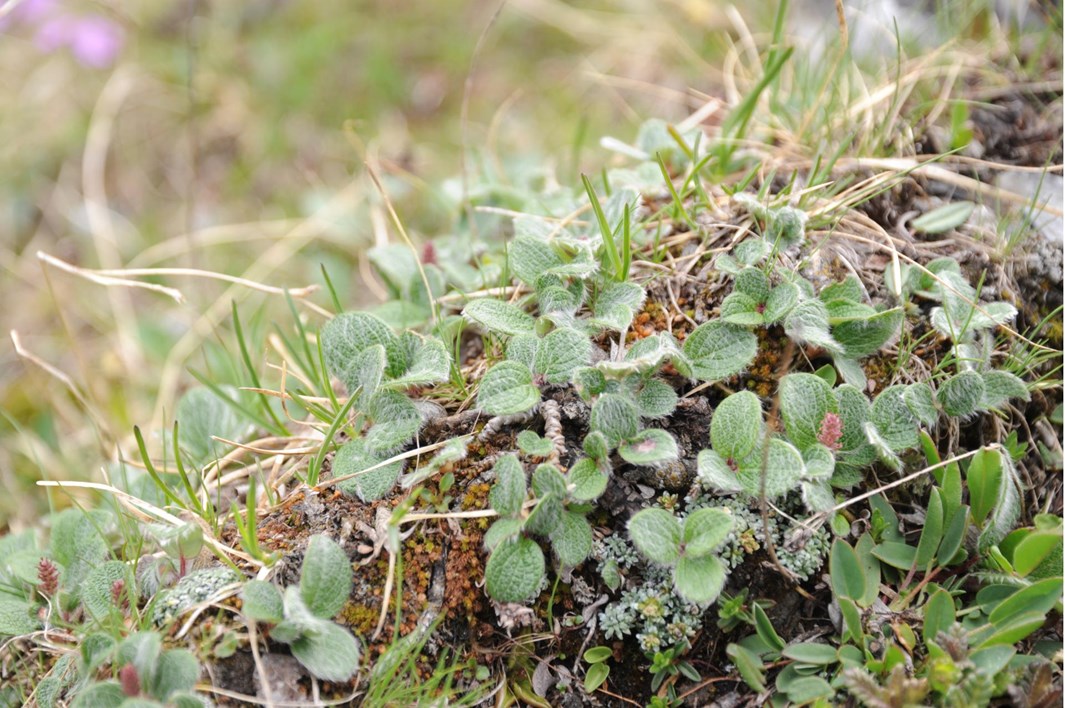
(428, 254)
(48, 574)
(118, 593)
(131, 682)
(831, 431)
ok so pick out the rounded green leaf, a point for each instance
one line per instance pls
(349, 333)
(783, 470)
(1040, 596)
(16, 618)
(896, 425)
(595, 445)
(545, 516)
(741, 309)
(808, 689)
(370, 482)
(615, 417)
(177, 670)
(262, 601)
(805, 399)
(1000, 387)
(656, 399)
(714, 472)
(507, 389)
(572, 540)
(560, 352)
(649, 447)
(331, 654)
(96, 591)
(532, 444)
(508, 493)
(699, 580)
(939, 614)
(326, 576)
(706, 529)
(781, 301)
(896, 554)
(587, 480)
(595, 677)
(962, 394)
(514, 571)
(501, 530)
(499, 316)
(546, 479)
(752, 283)
(656, 533)
(736, 425)
(718, 350)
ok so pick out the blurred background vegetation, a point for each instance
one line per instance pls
(232, 137)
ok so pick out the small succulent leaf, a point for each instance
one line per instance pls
(203, 415)
(943, 218)
(176, 671)
(372, 482)
(1007, 504)
(781, 301)
(546, 479)
(326, 577)
(514, 571)
(862, 337)
(922, 403)
(616, 417)
(429, 364)
(544, 517)
(847, 290)
(718, 350)
(509, 491)
(16, 617)
(736, 425)
(656, 399)
(396, 421)
(811, 653)
(522, 349)
(699, 580)
(846, 572)
(1000, 387)
(96, 591)
(262, 602)
(807, 323)
(500, 317)
(706, 529)
(532, 444)
(596, 445)
(896, 424)
(752, 283)
(714, 472)
(572, 540)
(529, 257)
(502, 530)
(649, 447)
(506, 389)
(854, 411)
(741, 309)
(805, 400)
(331, 654)
(349, 333)
(783, 470)
(656, 533)
(560, 352)
(587, 480)
(961, 395)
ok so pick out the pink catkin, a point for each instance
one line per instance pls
(831, 431)
(48, 574)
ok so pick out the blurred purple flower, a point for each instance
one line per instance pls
(93, 40)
